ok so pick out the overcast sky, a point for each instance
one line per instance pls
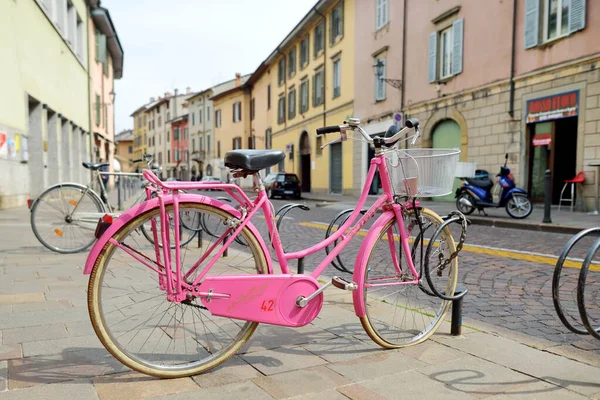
(197, 43)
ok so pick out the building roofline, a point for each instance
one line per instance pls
(227, 92)
(104, 23)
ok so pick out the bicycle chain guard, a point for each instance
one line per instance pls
(269, 299)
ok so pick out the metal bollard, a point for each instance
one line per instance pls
(456, 324)
(120, 194)
(301, 265)
(548, 198)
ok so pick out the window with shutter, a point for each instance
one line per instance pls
(304, 96)
(380, 81)
(532, 16)
(281, 110)
(432, 58)
(304, 51)
(336, 22)
(319, 39)
(281, 71)
(577, 15)
(292, 62)
(457, 47)
(292, 104)
(337, 79)
(381, 13)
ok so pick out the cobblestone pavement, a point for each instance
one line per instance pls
(512, 290)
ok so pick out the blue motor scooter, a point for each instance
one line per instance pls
(476, 193)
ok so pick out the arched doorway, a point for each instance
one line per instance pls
(305, 161)
(447, 135)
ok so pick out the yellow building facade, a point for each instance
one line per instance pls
(312, 85)
(231, 125)
(140, 130)
(45, 105)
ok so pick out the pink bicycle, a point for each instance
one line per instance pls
(174, 311)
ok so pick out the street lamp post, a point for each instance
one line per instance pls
(378, 70)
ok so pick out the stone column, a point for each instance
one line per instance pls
(65, 146)
(75, 154)
(54, 132)
(36, 148)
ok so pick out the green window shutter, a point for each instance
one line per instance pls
(532, 20)
(576, 15)
(97, 36)
(97, 110)
(341, 8)
(432, 62)
(331, 21)
(314, 91)
(102, 45)
(457, 51)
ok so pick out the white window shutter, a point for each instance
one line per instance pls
(577, 15)
(457, 46)
(432, 64)
(378, 14)
(532, 20)
(384, 12)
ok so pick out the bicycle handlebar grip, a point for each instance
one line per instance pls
(412, 123)
(328, 129)
(137, 161)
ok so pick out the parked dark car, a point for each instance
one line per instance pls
(283, 185)
(211, 179)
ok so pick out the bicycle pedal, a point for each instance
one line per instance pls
(341, 283)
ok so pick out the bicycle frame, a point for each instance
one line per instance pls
(345, 234)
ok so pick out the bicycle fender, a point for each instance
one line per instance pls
(147, 205)
(362, 258)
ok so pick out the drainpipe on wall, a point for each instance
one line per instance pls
(403, 75)
(91, 139)
(324, 65)
(511, 110)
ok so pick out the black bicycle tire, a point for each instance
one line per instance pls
(97, 201)
(595, 332)
(556, 279)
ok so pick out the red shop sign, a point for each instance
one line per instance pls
(543, 139)
(553, 107)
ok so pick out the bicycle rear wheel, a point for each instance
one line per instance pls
(64, 218)
(403, 314)
(138, 326)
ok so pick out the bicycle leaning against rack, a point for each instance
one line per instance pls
(185, 311)
(64, 216)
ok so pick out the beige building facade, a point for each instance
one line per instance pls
(532, 95)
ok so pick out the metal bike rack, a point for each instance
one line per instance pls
(279, 215)
(589, 329)
(455, 217)
(344, 215)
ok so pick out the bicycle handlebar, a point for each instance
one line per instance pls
(328, 129)
(354, 124)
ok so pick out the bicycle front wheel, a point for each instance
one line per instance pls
(64, 218)
(400, 313)
(136, 323)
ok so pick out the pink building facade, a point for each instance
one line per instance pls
(495, 77)
(105, 65)
(180, 152)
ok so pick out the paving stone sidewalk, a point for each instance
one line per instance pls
(48, 350)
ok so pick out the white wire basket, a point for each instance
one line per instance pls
(422, 172)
